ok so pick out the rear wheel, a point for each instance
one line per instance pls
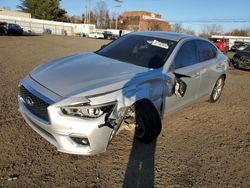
(217, 90)
(148, 121)
(235, 62)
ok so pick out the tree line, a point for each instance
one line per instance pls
(209, 30)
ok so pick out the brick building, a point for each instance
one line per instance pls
(144, 21)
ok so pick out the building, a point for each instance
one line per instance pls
(39, 26)
(144, 21)
(14, 13)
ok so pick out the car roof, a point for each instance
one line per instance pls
(164, 35)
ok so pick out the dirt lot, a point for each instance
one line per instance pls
(205, 145)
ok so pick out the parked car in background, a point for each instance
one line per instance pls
(79, 102)
(3, 28)
(237, 44)
(10, 29)
(221, 44)
(114, 37)
(14, 29)
(107, 34)
(96, 35)
(241, 58)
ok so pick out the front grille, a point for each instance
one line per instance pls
(36, 105)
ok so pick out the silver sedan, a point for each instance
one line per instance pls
(79, 102)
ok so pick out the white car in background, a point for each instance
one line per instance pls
(96, 35)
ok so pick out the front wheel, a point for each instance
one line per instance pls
(148, 121)
(217, 90)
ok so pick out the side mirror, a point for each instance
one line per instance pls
(180, 86)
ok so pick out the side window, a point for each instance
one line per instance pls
(187, 55)
(206, 50)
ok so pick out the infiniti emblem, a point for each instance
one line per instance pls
(29, 101)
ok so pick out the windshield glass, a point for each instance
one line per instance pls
(150, 52)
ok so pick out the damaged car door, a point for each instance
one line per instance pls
(185, 71)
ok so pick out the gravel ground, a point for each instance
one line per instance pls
(205, 145)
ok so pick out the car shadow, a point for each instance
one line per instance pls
(140, 168)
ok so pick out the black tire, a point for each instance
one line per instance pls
(235, 62)
(148, 121)
(217, 90)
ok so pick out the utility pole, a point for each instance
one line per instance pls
(118, 5)
(85, 14)
(87, 11)
(89, 15)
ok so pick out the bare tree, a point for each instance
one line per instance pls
(177, 28)
(92, 18)
(102, 15)
(180, 29)
(75, 19)
(239, 32)
(213, 29)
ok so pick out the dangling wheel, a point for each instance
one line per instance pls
(148, 121)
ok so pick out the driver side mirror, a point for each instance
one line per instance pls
(180, 86)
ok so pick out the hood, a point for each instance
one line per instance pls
(84, 72)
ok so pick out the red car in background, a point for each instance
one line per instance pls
(221, 43)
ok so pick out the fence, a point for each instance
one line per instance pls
(39, 26)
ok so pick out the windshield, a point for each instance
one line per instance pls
(150, 52)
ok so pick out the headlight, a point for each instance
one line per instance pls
(88, 111)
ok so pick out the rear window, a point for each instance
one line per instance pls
(238, 43)
(206, 50)
(145, 51)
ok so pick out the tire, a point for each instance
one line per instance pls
(235, 62)
(217, 90)
(148, 121)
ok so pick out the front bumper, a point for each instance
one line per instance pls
(61, 130)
